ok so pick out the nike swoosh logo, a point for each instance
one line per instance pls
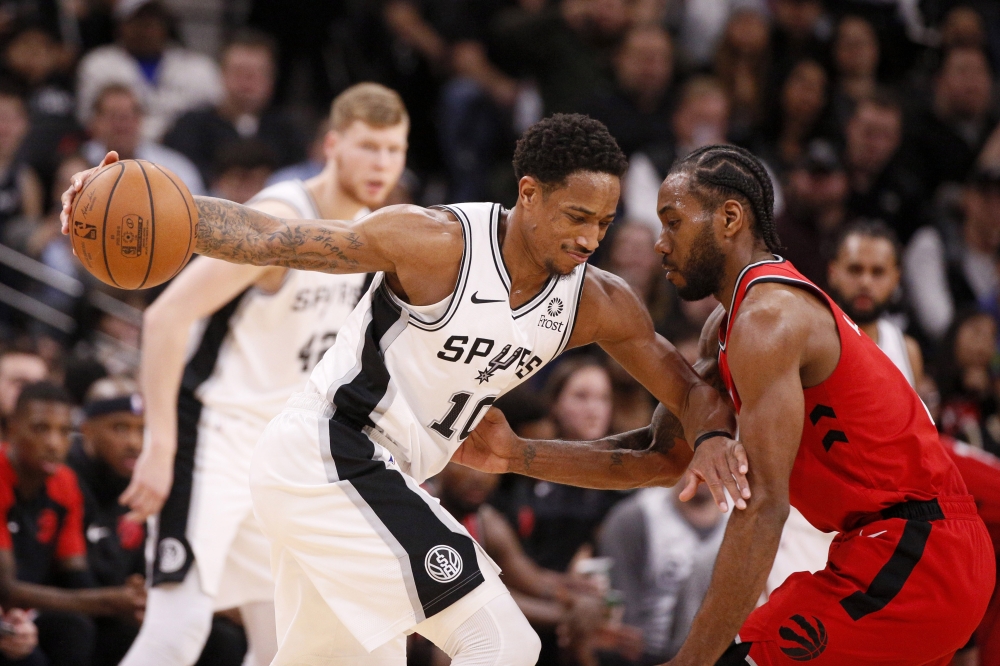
(477, 300)
(877, 534)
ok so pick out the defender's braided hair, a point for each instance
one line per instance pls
(722, 171)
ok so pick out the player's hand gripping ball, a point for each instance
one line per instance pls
(132, 224)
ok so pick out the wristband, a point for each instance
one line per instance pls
(710, 435)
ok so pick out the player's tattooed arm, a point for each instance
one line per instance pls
(243, 235)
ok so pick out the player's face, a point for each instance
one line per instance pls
(117, 440)
(583, 408)
(863, 277)
(369, 160)
(40, 436)
(565, 224)
(692, 257)
(466, 489)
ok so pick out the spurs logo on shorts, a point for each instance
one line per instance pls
(443, 564)
(808, 641)
(172, 555)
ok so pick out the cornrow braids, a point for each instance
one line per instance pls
(724, 171)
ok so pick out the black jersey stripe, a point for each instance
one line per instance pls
(173, 519)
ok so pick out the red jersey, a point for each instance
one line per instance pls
(868, 441)
(45, 529)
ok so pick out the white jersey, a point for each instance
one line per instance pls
(257, 350)
(417, 379)
(892, 342)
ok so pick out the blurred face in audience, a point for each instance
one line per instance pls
(116, 439)
(644, 64)
(248, 77)
(16, 371)
(963, 26)
(863, 276)
(798, 17)
(804, 93)
(145, 34)
(856, 49)
(963, 87)
(368, 160)
(463, 489)
(633, 258)
(981, 227)
(873, 136)
(117, 122)
(583, 408)
(34, 55)
(40, 436)
(809, 193)
(747, 33)
(702, 119)
(13, 125)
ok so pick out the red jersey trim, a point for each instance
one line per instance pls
(724, 332)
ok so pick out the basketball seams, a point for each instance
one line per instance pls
(187, 253)
(104, 230)
(152, 225)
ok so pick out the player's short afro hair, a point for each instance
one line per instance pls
(564, 143)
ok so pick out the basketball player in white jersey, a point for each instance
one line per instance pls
(469, 301)
(223, 348)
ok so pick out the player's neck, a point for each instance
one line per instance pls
(871, 328)
(527, 276)
(735, 263)
(331, 199)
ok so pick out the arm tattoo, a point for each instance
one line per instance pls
(529, 456)
(667, 429)
(243, 235)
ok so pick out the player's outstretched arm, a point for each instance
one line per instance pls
(765, 353)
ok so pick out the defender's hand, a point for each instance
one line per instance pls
(76, 184)
(491, 446)
(150, 485)
(720, 463)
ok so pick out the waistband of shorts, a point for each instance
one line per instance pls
(939, 508)
(310, 402)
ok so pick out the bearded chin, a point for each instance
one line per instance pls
(704, 270)
(865, 316)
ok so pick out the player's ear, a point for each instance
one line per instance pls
(529, 191)
(330, 142)
(734, 218)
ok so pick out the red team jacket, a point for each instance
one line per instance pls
(867, 440)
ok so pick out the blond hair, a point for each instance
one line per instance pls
(371, 103)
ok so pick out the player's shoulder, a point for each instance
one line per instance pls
(604, 289)
(63, 488)
(773, 312)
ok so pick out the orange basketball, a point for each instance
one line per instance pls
(133, 225)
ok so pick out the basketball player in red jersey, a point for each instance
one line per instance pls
(830, 426)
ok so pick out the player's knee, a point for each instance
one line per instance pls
(498, 634)
(527, 647)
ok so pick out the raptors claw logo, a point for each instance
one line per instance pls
(810, 645)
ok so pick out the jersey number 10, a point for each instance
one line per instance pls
(445, 426)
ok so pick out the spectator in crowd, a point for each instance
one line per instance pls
(953, 265)
(43, 562)
(248, 70)
(663, 552)
(115, 125)
(800, 116)
(631, 257)
(314, 162)
(111, 440)
(947, 137)
(881, 186)
(800, 30)
(555, 522)
(967, 379)
(700, 119)
(815, 198)
(549, 599)
(701, 25)
(18, 368)
(20, 190)
(36, 57)
(637, 111)
(242, 170)
(855, 62)
(742, 64)
(166, 78)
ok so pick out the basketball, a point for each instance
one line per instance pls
(133, 225)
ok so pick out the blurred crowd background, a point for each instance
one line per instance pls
(880, 115)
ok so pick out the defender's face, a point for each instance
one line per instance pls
(692, 258)
(863, 276)
(566, 224)
(369, 160)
